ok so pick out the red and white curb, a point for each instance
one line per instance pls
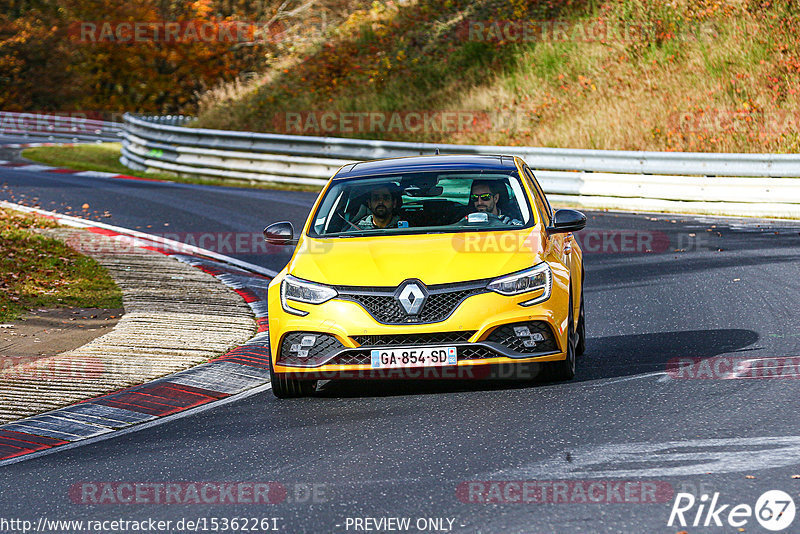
(241, 372)
(34, 145)
(35, 167)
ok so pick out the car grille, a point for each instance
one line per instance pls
(506, 336)
(324, 345)
(392, 340)
(352, 357)
(442, 301)
(476, 353)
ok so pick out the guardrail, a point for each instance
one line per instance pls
(56, 127)
(746, 184)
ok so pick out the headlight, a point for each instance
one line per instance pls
(539, 278)
(301, 291)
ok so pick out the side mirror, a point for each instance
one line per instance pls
(280, 233)
(566, 220)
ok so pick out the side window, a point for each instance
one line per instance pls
(541, 201)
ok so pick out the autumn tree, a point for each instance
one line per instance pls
(46, 63)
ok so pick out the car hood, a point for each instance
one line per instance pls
(431, 258)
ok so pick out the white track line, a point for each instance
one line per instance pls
(600, 383)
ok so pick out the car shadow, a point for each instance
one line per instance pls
(626, 355)
(605, 357)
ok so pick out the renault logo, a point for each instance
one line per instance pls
(411, 295)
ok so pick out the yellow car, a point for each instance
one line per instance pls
(427, 267)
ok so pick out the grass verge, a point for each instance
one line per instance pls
(38, 271)
(104, 157)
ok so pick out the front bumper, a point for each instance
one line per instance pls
(481, 328)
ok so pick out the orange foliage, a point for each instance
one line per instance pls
(47, 64)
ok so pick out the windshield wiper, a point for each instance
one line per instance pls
(342, 217)
(357, 234)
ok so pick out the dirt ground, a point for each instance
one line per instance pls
(47, 332)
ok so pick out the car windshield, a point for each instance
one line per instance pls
(422, 203)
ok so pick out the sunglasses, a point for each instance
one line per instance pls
(485, 196)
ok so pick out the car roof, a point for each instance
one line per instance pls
(437, 163)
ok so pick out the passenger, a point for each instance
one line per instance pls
(484, 198)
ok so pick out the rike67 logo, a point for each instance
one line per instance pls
(774, 510)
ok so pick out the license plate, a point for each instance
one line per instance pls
(414, 357)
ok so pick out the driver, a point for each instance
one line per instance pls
(384, 204)
(484, 197)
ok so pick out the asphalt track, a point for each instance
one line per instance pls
(716, 290)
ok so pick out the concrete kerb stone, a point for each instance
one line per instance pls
(176, 317)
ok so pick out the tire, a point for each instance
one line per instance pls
(563, 370)
(290, 388)
(580, 346)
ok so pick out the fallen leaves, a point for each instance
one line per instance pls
(37, 270)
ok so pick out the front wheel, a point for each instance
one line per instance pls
(290, 388)
(580, 347)
(564, 369)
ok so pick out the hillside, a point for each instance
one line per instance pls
(708, 75)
